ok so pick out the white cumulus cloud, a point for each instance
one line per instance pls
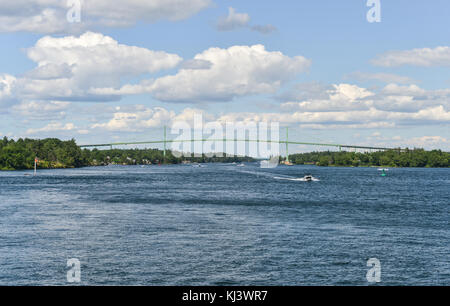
(137, 120)
(41, 110)
(52, 127)
(6, 85)
(234, 21)
(236, 71)
(95, 67)
(69, 68)
(347, 97)
(339, 97)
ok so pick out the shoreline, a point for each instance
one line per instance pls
(204, 163)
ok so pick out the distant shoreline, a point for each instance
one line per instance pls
(52, 153)
(416, 158)
(227, 163)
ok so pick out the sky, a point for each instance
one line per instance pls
(106, 71)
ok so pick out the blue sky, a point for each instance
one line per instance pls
(317, 67)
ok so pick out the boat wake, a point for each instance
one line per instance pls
(296, 179)
(282, 177)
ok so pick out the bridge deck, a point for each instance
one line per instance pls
(239, 140)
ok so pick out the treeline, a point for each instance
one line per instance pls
(54, 153)
(393, 158)
(151, 156)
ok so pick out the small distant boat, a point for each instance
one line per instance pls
(306, 178)
(240, 165)
(198, 166)
(383, 172)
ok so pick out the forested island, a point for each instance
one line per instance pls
(54, 153)
(394, 158)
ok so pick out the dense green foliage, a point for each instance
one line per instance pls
(408, 158)
(54, 153)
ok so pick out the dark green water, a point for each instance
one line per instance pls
(225, 225)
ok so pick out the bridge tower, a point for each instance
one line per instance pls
(287, 145)
(165, 141)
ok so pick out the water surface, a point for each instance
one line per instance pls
(225, 225)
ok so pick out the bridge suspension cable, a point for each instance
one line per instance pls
(287, 142)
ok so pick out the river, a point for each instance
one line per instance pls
(225, 225)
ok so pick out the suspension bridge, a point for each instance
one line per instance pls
(285, 142)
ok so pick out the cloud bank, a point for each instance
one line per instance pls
(426, 57)
(50, 16)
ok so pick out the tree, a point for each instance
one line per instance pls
(324, 161)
